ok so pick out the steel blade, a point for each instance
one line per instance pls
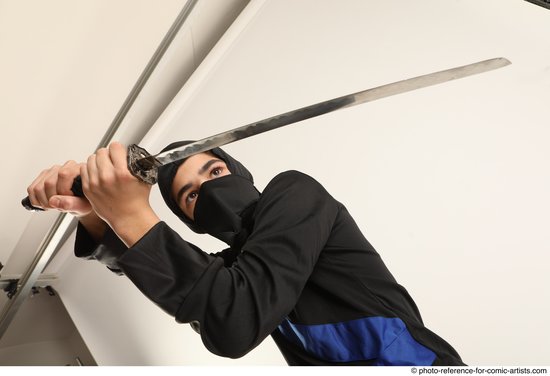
(145, 163)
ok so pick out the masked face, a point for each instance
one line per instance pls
(224, 208)
(211, 193)
(213, 198)
(190, 176)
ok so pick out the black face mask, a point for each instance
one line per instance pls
(168, 172)
(224, 207)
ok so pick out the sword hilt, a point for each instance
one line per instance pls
(141, 164)
(26, 202)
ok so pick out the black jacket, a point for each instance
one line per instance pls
(305, 275)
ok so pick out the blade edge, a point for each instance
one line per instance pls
(328, 106)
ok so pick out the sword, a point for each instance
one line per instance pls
(145, 166)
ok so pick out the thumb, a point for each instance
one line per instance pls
(72, 204)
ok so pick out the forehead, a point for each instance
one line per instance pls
(195, 162)
(191, 167)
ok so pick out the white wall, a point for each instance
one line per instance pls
(449, 183)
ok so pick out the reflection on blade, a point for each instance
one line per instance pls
(322, 108)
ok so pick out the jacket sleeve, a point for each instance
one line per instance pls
(107, 251)
(238, 306)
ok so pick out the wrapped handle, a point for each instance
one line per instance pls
(141, 164)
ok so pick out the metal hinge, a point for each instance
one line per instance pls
(10, 287)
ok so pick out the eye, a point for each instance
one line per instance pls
(191, 197)
(216, 171)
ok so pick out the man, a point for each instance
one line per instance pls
(297, 267)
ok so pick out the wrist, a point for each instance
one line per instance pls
(130, 229)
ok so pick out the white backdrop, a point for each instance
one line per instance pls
(449, 183)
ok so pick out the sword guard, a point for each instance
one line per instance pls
(143, 165)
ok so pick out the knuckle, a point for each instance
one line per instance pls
(69, 163)
(65, 173)
(50, 183)
(36, 190)
(102, 151)
(105, 178)
(122, 174)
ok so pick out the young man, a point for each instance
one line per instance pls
(297, 267)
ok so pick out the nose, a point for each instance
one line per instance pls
(202, 179)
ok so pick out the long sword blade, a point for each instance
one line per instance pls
(318, 109)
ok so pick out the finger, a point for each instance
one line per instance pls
(37, 192)
(32, 189)
(118, 155)
(85, 178)
(66, 175)
(92, 170)
(50, 183)
(104, 165)
(76, 205)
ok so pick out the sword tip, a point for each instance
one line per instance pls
(503, 61)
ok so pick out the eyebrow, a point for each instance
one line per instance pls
(201, 171)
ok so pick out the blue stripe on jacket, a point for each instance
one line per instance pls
(386, 341)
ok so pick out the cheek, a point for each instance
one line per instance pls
(190, 211)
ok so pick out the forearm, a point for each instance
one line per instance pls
(94, 225)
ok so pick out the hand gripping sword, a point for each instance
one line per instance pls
(145, 166)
